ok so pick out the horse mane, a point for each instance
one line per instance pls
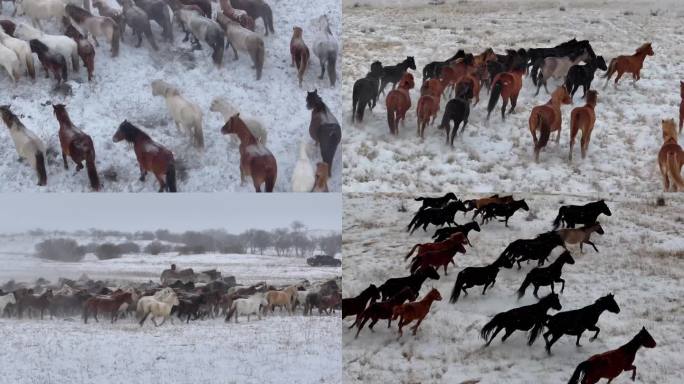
(669, 130)
(643, 47)
(8, 116)
(317, 101)
(39, 45)
(130, 131)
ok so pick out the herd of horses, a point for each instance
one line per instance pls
(573, 226)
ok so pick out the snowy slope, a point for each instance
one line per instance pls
(639, 260)
(121, 91)
(498, 156)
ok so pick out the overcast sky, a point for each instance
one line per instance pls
(131, 212)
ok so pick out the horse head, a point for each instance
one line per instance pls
(552, 301)
(598, 228)
(600, 63)
(522, 204)
(566, 257)
(647, 49)
(313, 100)
(428, 271)
(604, 208)
(376, 69)
(410, 62)
(645, 338)
(406, 81)
(434, 295)
(608, 302)
(669, 130)
(231, 125)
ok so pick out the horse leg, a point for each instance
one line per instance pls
(536, 289)
(633, 369)
(139, 34)
(508, 333)
(143, 318)
(595, 329)
(322, 70)
(514, 103)
(504, 104)
(95, 315)
(97, 44)
(143, 173)
(485, 287)
(415, 327)
(549, 343)
(562, 281)
(579, 336)
(619, 75)
(163, 321)
(154, 321)
(592, 244)
(496, 332)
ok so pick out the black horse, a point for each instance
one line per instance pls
(356, 305)
(536, 56)
(383, 309)
(458, 111)
(521, 319)
(365, 93)
(571, 215)
(503, 210)
(189, 306)
(538, 248)
(540, 277)
(582, 75)
(393, 73)
(434, 69)
(436, 216)
(323, 128)
(577, 321)
(444, 233)
(392, 286)
(473, 276)
(435, 202)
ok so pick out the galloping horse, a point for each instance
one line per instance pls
(96, 25)
(428, 104)
(547, 275)
(507, 85)
(394, 285)
(458, 111)
(256, 9)
(629, 64)
(558, 67)
(105, 304)
(522, 319)
(398, 101)
(325, 47)
(382, 310)
(323, 128)
(365, 92)
(583, 75)
(671, 158)
(299, 53)
(356, 305)
(242, 39)
(186, 115)
(417, 310)
(203, 28)
(580, 235)
(547, 118)
(28, 144)
(472, 276)
(438, 254)
(151, 156)
(394, 73)
(249, 306)
(580, 214)
(76, 144)
(583, 118)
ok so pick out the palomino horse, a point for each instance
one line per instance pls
(159, 305)
(547, 118)
(10, 61)
(57, 43)
(136, 18)
(85, 49)
(303, 176)
(611, 364)
(398, 102)
(323, 128)
(583, 119)
(106, 304)
(322, 175)
(507, 85)
(204, 29)
(21, 49)
(96, 26)
(51, 61)
(299, 53)
(186, 115)
(325, 47)
(475, 276)
(629, 64)
(115, 14)
(29, 146)
(255, 159)
(671, 158)
(227, 110)
(280, 299)
(558, 67)
(76, 144)
(238, 15)
(244, 40)
(256, 9)
(151, 156)
(417, 310)
(249, 306)
(580, 235)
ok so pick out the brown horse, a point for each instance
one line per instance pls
(110, 304)
(328, 303)
(681, 105)
(299, 53)
(611, 364)
(416, 310)
(547, 118)
(151, 156)
(432, 87)
(321, 179)
(398, 101)
(427, 107)
(474, 86)
(485, 201)
(457, 69)
(30, 301)
(85, 50)
(96, 25)
(238, 15)
(454, 242)
(583, 118)
(671, 158)
(628, 64)
(76, 144)
(256, 9)
(255, 159)
(50, 60)
(507, 85)
(323, 128)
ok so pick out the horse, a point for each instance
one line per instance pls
(583, 75)
(542, 276)
(323, 128)
(186, 115)
(396, 73)
(255, 159)
(570, 215)
(398, 101)
(456, 110)
(392, 286)
(136, 18)
(433, 70)
(325, 47)
(610, 364)
(85, 50)
(21, 49)
(6, 301)
(472, 276)
(506, 85)
(10, 61)
(96, 26)
(160, 12)
(321, 177)
(299, 52)
(382, 310)
(105, 304)
(227, 110)
(249, 306)
(30, 301)
(547, 118)
(189, 306)
(356, 305)
(257, 9)
(435, 202)
(580, 235)
(328, 303)
(56, 43)
(538, 248)
(426, 109)
(681, 105)
(535, 56)
(8, 26)
(303, 176)
(51, 61)
(558, 67)
(417, 310)
(583, 118)
(436, 216)
(159, 305)
(442, 234)
(76, 144)
(115, 14)
(244, 40)
(437, 254)
(203, 28)
(629, 64)
(479, 204)
(365, 92)
(521, 319)
(281, 299)
(152, 156)
(237, 15)
(28, 145)
(456, 70)
(671, 158)
(503, 210)
(38, 10)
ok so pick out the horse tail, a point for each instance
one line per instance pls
(536, 331)
(526, 283)
(494, 95)
(557, 220)
(171, 178)
(391, 118)
(259, 62)
(611, 69)
(303, 63)
(198, 133)
(116, 38)
(356, 115)
(507, 252)
(65, 72)
(268, 15)
(332, 67)
(30, 66)
(412, 250)
(40, 168)
(456, 292)
(579, 372)
(674, 169)
(490, 326)
(92, 171)
(544, 137)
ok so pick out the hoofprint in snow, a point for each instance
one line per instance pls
(639, 261)
(121, 90)
(499, 156)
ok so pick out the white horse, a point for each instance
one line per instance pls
(39, 10)
(202, 28)
(186, 115)
(28, 145)
(56, 43)
(227, 110)
(557, 68)
(303, 177)
(159, 305)
(244, 40)
(325, 47)
(249, 306)
(21, 49)
(10, 61)
(5, 301)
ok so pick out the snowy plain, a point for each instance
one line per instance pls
(498, 156)
(121, 90)
(639, 260)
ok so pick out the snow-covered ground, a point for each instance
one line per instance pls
(121, 90)
(639, 260)
(498, 156)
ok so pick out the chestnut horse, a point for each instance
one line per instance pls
(547, 118)
(237, 15)
(455, 70)
(106, 304)
(76, 144)
(398, 101)
(255, 159)
(611, 364)
(151, 156)
(85, 50)
(454, 242)
(628, 64)
(583, 118)
(474, 86)
(507, 85)
(441, 257)
(299, 53)
(416, 310)
(671, 158)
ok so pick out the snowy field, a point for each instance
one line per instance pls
(498, 156)
(639, 260)
(121, 90)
